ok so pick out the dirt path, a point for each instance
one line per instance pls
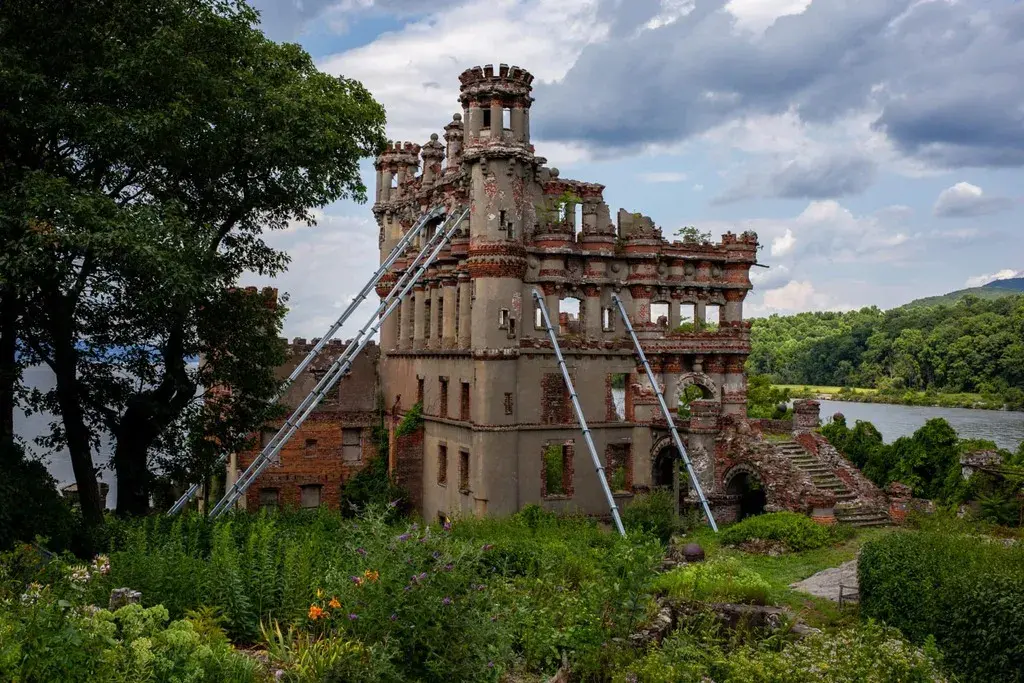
(825, 584)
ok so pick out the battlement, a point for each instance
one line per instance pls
(482, 75)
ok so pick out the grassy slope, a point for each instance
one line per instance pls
(990, 291)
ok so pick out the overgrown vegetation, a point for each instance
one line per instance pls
(796, 532)
(962, 590)
(973, 346)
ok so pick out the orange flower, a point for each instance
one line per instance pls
(334, 604)
(315, 612)
(371, 575)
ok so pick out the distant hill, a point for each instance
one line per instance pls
(996, 289)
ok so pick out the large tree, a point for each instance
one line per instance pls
(147, 144)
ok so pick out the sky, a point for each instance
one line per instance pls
(875, 146)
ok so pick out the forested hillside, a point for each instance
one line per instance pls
(972, 346)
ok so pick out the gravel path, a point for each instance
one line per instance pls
(825, 584)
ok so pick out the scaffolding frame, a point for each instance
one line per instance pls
(385, 265)
(579, 412)
(665, 411)
(343, 363)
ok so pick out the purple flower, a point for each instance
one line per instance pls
(422, 576)
(437, 554)
(447, 525)
(403, 537)
(394, 502)
(361, 551)
(490, 665)
(353, 617)
(394, 617)
(356, 579)
(448, 567)
(446, 601)
(408, 588)
(481, 587)
(415, 526)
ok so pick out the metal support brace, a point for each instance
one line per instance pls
(406, 240)
(579, 413)
(665, 411)
(343, 363)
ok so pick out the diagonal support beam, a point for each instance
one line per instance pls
(665, 411)
(579, 413)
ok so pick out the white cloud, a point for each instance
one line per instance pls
(663, 177)
(403, 69)
(1004, 274)
(669, 12)
(796, 296)
(757, 15)
(783, 244)
(965, 200)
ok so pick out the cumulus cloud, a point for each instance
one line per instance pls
(662, 177)
(965, 200)
(796, 296)
(783, 244)
(941, 79)
(1004, 274)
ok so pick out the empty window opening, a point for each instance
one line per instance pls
(269, 499)
(687, 317)
(618, 468)
(538, 317)
(503, 318)
(443, 381)
(352, 445)
(440, 316)
(458, 307)
(607, 319)
(426, 316)
(398, 321)
(556, 475)
(442, 465)
(512, 328)
(464, 401)
(487, 116)
(659, 313)
(506, 118)
(563, 208)
(687, 395)
(394, 181)
(419, 390)
(617, 395)
(712, 316)
(505, 225)
(310, 450)
(464, 471)
(578, 219)
(570, 316)
(309, 496)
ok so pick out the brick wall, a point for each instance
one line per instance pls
(409, 465)
(556, 406)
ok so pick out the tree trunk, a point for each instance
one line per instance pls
(9, 374)
(75, 431)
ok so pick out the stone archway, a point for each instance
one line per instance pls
(744, 484)
(695, 379)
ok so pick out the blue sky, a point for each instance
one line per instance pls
(875, 146)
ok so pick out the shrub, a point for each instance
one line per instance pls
(30, 505)
(721, 580)
(797, 532)
(965, 591)
(652, 513)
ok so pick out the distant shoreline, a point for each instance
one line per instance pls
(909, 398)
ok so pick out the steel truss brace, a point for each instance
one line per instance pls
(403, 243)
(665, 411)
(343, 363)
(579, 413)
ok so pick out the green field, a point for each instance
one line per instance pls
(812, 389)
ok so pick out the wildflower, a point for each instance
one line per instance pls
(319, 593)
(353, 617)
(448, 567)
(394, 503)
(357, 580)
(361, 551)
(79, 574)
(447, 524)
(446, 601)
(394, 617)
(279, 675)
(334, 604)
(481, 587)
(487, 547)
(101, 564)
(403, 537)
(490, 665)
(315, 612)
(422, 576)
(494, 617)
(437, 554)
(371, 575)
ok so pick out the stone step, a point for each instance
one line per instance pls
(863, 519)
(848, 495)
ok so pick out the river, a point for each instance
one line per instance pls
(1004, 427)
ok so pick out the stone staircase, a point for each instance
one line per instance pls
(847, 510)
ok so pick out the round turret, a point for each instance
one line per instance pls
(496, 106)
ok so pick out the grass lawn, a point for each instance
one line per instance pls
(814, 389)
(782, 570)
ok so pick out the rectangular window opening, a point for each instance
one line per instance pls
(442, 465)
(712, 316)
(269, 499)
(426, 317)
(512, 328)
(538, 317)
(687, 317)
(659, 313)
(443, 408)
(310, 450)
(607, 321)
(419, 390)
(310, 495)
(557, 470)
(352, 445)
(619, 467)
(487, 116)
(440, 316)
(503, 318)
(506, 118)
(464, 402)
(617, 395)
(464, 471)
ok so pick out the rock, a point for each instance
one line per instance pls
(827, 582)
(119, 597)
(692, 552)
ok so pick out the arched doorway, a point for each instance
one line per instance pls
(692, 385)
(745, 486)
(663, 467)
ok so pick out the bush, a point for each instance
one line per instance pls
(652, 513)
(723, 580)
(30, 505)
(965, 591)
(797, 532)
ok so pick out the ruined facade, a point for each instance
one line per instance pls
(468, 343)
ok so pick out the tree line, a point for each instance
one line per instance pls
(147, 147)
(972, 346)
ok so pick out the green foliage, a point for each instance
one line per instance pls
(764, 399)
(411, 421)
(693, 235)
(371, 486)
(797, 532)
(30, 505)
(864, 654)
(972, 346)
(554, 470)
(651, 513)
(964, 591)
(719, 580)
